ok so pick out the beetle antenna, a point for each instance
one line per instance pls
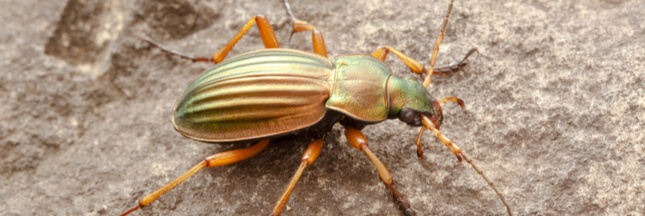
(420, 136)
(435, 51)
(461, 155)
(293, 18)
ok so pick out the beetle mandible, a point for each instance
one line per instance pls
(264, 94)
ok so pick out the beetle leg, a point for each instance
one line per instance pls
(414, 65)
(418, 143)
(172, 52)
(266, 33)
(453, 99)
(299, 26)
(307, 159)
(219, 159)
(461, 155)
(358, 140)
(454, 67)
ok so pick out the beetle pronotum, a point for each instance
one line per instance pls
(264, 94)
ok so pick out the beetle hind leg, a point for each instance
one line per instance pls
(300, 26)
(175, 53)
(219, 159)
(266, 33)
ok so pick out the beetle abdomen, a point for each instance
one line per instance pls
(255, 95)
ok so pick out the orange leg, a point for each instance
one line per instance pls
(461, 155)
(358, 141)
(219, 159)
(418, 143)
(416, 67)
(266, 32)
(299, 26)
(453, 99)
(308, 158)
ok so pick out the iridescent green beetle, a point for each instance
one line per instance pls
(264, 94)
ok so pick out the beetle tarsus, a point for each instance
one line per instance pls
(455, 66)
(357, 140)
(453, 99)
(418, 143)
(131, 210)
(401, 201)
(175, 53)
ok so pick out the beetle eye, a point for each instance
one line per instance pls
(410, 116)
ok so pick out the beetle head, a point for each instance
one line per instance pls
(409, 100)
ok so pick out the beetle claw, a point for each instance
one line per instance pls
(290, 36)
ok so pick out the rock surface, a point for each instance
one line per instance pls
(554, 114)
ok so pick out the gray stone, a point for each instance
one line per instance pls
(554, 109)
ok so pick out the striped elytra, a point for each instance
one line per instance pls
(254, 95)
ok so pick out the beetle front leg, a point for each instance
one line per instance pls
(358, 141)
(308, 158)
(416, 67)
(266, 33)
(299, 26)
(219, 159)
(454, 67)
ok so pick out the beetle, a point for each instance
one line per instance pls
(274, 92)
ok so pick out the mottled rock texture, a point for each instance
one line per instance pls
(554, 108)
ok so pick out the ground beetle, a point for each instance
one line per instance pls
(264, 94)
